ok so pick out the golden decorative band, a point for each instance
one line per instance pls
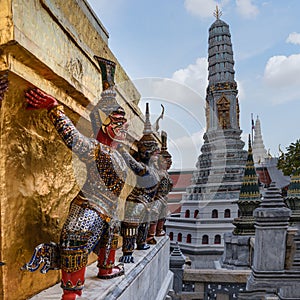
(71, 287)
(73, 260)
(105, 240)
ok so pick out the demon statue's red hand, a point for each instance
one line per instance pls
(3, 85)
(37, 99)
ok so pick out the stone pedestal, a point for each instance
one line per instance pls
(269, 274)
(218, 284)
(148, 278)
(237, 252)
(177, 260)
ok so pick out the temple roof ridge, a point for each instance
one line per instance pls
(217, 14)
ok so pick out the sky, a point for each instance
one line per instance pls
(163, 46)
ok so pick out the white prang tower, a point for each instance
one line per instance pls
(259, 150)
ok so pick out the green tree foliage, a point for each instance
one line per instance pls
(289, 162)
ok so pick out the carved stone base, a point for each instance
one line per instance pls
(236, 252)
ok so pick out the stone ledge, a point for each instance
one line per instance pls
(148, 278)
(211, 275)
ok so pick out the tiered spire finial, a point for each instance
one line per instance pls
(147, 125)
(217, 13)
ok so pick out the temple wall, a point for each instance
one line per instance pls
(49, 44)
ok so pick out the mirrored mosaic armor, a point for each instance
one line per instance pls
(139, 203)
(160, 211)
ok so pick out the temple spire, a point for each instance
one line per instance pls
(259, 150)
(249, 198)
(250, 189)
(220, 166)
(222, 109)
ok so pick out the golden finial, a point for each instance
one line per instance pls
(217, 13)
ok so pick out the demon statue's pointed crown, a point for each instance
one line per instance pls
(148, 143)
(107, 105)
(164, 153)
(164, 148)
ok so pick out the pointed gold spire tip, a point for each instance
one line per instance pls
(217, 13)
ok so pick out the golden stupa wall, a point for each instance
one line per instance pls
(49, 44)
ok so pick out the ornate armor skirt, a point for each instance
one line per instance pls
(83, 232)
(80, 234)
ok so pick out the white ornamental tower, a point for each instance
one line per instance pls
(259, 150)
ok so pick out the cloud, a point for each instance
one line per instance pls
(203, 8)
(283, 70)
(247, 9)
(177, 96)
(170, 90)
(194, 76)
(281, 78)
(184, 118)
(107, 10)
(186, 149)
(241, 90)
(293, 38)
